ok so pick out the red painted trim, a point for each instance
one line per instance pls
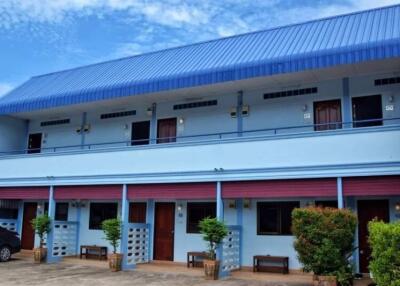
(280, 188)
(27, 193)
(173, 191)
(103, 192)
(371, 186)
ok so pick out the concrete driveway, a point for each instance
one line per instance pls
(25, 272)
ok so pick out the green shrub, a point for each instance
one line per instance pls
(324, 240)
(213, 232)
(384, 239)
(112, 228)
(42, 226)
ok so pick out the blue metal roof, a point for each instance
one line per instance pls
(346, 39)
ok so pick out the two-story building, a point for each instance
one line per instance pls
(244, 128)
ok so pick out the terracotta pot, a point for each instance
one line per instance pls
(115, 262)
(322, 280)
(211, 269)
(39, 254)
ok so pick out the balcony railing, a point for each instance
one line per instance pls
(299, 130)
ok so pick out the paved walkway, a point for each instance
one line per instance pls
(25, 272)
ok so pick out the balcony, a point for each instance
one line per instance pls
(257, 154)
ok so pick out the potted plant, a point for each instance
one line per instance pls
(112, 228)
(324, 243)
(213, 232)
(42, 226)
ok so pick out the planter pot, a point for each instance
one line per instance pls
(115, 262)
(322, 280)
(211, 269)
(39, 255)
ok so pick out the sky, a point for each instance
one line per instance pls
(43, 36)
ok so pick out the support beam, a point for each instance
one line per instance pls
(125, 226)
(50, 235)
(150, 220)
(346, 105)
(340, 193)
(153, 124)
(83, 133)
(20, 217)
(78, 229)
(239, 222)
(239, 115)
(220, 217)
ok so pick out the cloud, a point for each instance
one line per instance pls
(5, 88)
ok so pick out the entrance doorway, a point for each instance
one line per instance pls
(140, 133)
(367, 211)
(327, 115)
(34, 143)
(28, 233)
(164, 227)
(166, 130)
(367, 108)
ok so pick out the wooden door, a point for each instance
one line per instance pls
(327, 115)
(166, 130)
(28, 233)
(34, 143)
(164, 226)
(367, 211)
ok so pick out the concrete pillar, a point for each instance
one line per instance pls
(340, 193)
(125, 226)
(347, 108)
(153, 124)
(50, 235)
(150, 220)
(239, 115)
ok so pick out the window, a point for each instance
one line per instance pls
(7, 213)
(367, 110)
(61, 211)
(196, 212)
(275, 218)
(326, 204)
(137, 212)
(195, 104)
(99, 212)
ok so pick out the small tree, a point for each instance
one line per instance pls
(384, 239)
(213, 232)
(112, 228)
(324, 241)
(42, 226)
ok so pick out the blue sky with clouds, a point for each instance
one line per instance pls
(42, 36)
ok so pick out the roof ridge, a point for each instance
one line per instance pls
(223, 38)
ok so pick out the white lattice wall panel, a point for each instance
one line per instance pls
(231, 249)
(138, 243)
(9, 224)
(65, 235)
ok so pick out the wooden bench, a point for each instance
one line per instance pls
(268, 263)
(94, 251)
(191, 258)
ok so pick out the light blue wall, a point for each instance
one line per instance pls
(90, 236)
(13, 134)
(185, 242)
(264, 114)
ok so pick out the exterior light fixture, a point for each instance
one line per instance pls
(181, 120)
(305, 107)
(397, 207)
(391, 98)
